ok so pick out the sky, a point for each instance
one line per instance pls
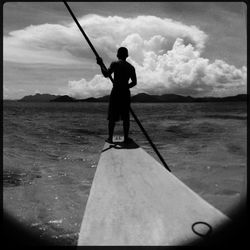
(187, 48)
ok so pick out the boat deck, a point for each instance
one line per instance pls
(134, 200)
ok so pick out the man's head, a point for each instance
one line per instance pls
(122, 53)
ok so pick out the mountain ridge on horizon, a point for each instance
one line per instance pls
(141, 97)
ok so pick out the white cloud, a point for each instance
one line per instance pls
(181, 70)
(165, 53)
(52, 41)
(8, 92)
(97, 87)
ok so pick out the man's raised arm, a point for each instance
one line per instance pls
(105, 72)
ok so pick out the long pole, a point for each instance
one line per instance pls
(110, 77)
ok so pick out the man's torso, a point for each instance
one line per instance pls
(122, 73)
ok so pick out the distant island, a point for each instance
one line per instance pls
(140, 98)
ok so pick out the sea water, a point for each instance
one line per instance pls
(51, 150)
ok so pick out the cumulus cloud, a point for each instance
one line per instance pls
(97, 87)
(180, 70)
(106, 33)
(167, 54)
(46, 43)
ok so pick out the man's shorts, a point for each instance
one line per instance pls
(119, 104)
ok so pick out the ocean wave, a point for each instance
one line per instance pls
(236, 117)
(17, 177)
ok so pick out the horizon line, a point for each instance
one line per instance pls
(6, 99)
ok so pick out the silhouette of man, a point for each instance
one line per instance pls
(119, 101)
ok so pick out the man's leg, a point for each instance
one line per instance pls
(111, 127)
(126, 129)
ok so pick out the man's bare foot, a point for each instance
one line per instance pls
(128, 140)
(109, 140)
